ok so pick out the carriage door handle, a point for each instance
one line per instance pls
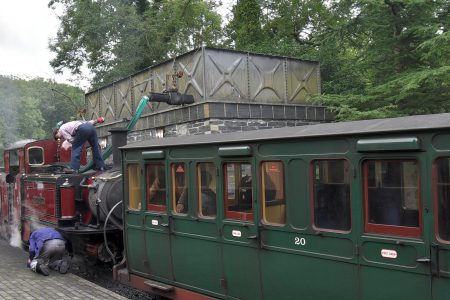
(424, 260)
(437, 270)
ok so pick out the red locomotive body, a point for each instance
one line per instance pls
(35, 192)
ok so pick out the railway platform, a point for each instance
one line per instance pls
(18, 282)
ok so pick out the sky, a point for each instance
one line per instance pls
(25, 29)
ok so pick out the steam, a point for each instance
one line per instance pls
(15, 239)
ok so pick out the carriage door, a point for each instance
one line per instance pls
(195, 239)
(240, 235)
(440, 250)
(157, 223)
(395, 253)
(133, 222)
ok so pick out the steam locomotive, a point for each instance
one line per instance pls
(85, 207)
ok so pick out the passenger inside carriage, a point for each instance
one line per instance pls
(208, 197)
(245, 193)
(156, 187)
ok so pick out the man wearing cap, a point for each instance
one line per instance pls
(77, 133)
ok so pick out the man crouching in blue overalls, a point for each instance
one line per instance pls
(47, 250)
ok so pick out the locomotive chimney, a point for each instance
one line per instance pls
(119, 139)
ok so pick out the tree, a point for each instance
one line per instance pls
(29, 119)
(116, 38)
(245, 28)
(405, 59)
(31, 108)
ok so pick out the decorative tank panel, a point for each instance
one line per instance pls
(142, 86)
(192, 82)
(226, 75)
(125, 101)
(211, 75)
(92, 106)
(107, 101)
(267, 82)
(302, 80)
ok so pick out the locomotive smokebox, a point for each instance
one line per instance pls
(106, 195)
(108, 191)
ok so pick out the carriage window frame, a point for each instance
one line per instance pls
(28, 156)
(313, 194)
(233, 214)
(211, 183)
(396, 230)
(173, 182)
(437, 214)
(263, 192)
(152, 185)
(138, 191)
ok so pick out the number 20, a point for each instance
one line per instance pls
(300, 241)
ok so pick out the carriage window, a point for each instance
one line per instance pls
(443, 197)
(206, 189)
(35, 156)
(238, 191)
(331, 194)
(272, 183)
(392, 197)
(179, 188)
(156, 187)
(134, 186)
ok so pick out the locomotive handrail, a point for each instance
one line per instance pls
(89, 186)
(103, 178)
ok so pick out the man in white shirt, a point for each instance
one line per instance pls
(77, 133)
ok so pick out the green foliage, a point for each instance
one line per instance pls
(31, 108)
(29, 119)
(116, 38)
(245, 28)
(378, 58)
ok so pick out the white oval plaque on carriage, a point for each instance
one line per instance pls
(387, 253)
(155, 222)
(236, 233)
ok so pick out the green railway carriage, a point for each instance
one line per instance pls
(352, 210)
